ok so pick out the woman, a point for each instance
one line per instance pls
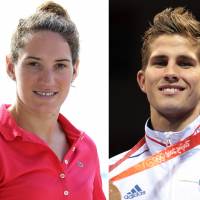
(42, 155)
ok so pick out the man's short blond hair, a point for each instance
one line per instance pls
(170, 21)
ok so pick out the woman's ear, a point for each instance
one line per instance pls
(10, 68)
(75, 70)
(141, 80)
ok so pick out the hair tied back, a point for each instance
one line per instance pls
(52, 7)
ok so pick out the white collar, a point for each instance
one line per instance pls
(169, 136)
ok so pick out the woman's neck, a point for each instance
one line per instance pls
(42, 124)
(45, 126)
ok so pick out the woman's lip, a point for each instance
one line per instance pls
(45, 93)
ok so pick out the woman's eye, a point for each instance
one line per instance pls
(34, 64)
(60, 66)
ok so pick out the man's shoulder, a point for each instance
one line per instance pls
(139, 152)
(117, 157)
(122, 162)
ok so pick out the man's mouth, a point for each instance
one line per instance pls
(171, 89)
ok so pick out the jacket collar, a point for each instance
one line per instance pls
(167, 137)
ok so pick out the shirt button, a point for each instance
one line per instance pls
(66, 161)
(82, 137)
(62, 175)
(66, 193)
(73, 149)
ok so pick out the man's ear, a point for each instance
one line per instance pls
(10, 68)
(75, 70)
(141, 80)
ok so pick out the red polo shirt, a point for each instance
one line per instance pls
(30, 170)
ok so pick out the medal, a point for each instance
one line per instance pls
(114, 193)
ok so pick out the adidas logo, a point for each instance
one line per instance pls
(135, 192)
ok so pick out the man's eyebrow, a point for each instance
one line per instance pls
(158, 57)
(184, 57)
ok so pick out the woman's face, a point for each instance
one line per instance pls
(44, 72)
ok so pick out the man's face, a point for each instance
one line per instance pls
(171, 79)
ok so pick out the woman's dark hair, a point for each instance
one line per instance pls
(49, 17)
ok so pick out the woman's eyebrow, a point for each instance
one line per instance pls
(64, 59)
(33, 57)
(57, 60)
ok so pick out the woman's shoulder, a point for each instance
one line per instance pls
(75, 133)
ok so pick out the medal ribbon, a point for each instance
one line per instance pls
(132, 151)
(158, 158)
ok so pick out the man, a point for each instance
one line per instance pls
(164, 165)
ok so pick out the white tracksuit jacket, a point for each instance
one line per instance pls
(176, 179)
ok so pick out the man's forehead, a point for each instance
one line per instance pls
(173, 46)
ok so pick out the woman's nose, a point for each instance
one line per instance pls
(47, 76)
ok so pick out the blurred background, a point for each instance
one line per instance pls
(128, 107)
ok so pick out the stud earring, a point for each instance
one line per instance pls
(72, 84)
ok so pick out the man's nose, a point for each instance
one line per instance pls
(171, 73)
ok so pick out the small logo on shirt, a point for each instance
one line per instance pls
(135, 192)
(80, 164)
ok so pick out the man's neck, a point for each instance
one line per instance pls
(163, 123)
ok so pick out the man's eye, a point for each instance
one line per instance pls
(159, 63)
(185, 64)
